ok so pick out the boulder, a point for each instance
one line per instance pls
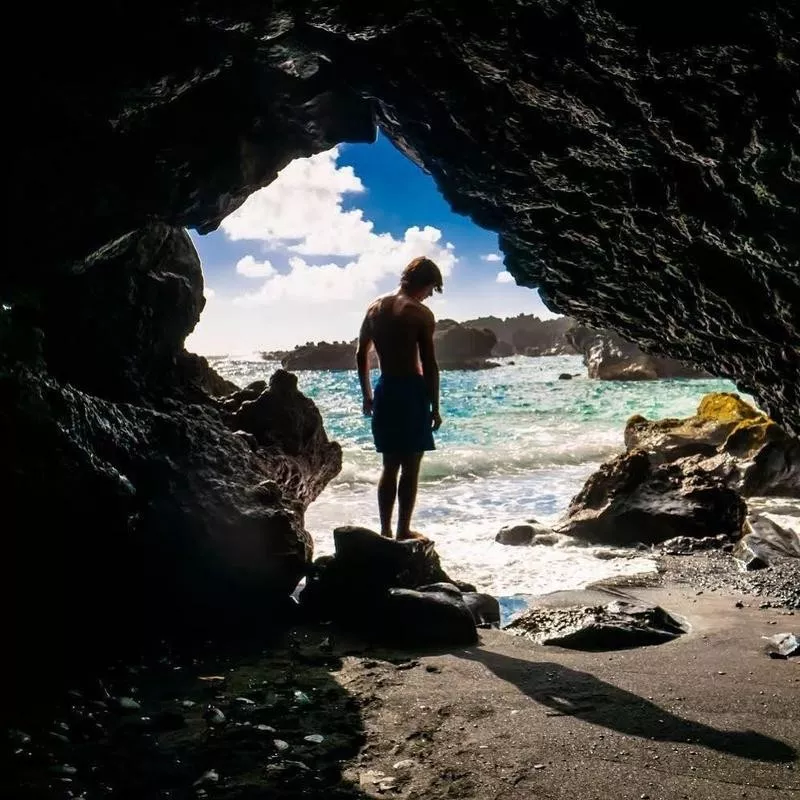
(629, 501)
(609, 357)
(727, 437)
(782, 645)
(530, 532)
(372, 581)
(764, 542)
(614, 625)
(292, 444)
(405, 617)
(484, 608)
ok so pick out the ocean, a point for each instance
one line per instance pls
(517, 443)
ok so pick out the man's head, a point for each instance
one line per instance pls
(421, 278)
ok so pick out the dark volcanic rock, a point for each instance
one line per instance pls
(323, 355)
(613, 626)
(292, 443)
(527, 334)
(393, 591)
(637, 168)
(151, 516)
(629, 500)
(132, 493)
(463, 347)
(609, 357)
(408, 617)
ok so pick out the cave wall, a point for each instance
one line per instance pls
(638, 161)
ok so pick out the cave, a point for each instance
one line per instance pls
(639, 164)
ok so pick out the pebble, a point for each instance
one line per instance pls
(280, 745)
(406, 763)
(210, 776)
(314, 738)
(128, 704)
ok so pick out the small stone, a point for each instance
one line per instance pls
(280, 745)
(128, 704)
(245, 701)
(406, 763)
(210, 776)
(265, 728)
(314, 738)
(538, 766)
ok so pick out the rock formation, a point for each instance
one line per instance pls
(526, 334)
(609, 357)
(638, 170)
(686, 478)
(393, 592)
(133, 491)
(458, 346)
(324, 355)
(461, 346)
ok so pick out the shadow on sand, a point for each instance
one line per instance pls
(581, 694)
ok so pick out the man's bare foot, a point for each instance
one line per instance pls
(402, 537)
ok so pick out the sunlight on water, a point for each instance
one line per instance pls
(517, 443)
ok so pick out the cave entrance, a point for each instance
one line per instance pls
(296, 265)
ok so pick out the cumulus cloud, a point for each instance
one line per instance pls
(505, 277)
(358, 279)
(251, 268)
(302, 212)
(302, 209)
(492, 257)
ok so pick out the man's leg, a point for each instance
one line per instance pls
(407, 493)
(387, 491)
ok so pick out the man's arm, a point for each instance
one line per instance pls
(430, 367)
(362, 363)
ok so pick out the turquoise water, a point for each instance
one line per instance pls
(516, 443)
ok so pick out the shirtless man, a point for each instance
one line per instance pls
(405, 406)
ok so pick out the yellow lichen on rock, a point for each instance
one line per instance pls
(726, 407)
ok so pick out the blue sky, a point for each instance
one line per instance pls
(301, 259)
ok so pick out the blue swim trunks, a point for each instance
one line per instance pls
(401, 415)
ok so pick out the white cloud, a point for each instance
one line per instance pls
(492, 257)
(505, 277)
(302, 212)
(358, 280)
(251, 268)
(303, 209)
(208, 292)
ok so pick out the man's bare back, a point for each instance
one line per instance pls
(397, 324)
(405, 404)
